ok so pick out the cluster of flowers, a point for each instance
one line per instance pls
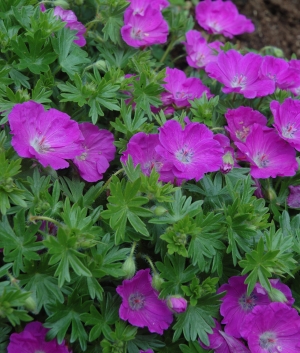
(253, 75)
(268, 323)
(51, 137)
(270, 152)
(176, 153)
(142, 307)
(144, 23)
(70, 18)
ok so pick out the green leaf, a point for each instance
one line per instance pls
(102, 322)
(178, 209)
(125, 205)
(71, 57)
(259, 265)
(36, 56)
(198, 321)
(65, 315)
(174, 273)
(20, 242)
(39, 280)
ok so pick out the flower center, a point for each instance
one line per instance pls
(183, 95)
(200, 60)
(136, 301)
(215, 25)
(242, 134)
(261, 160)
(247, 303)
(39, 144)
(272, 76)
(288, 131)
(137, 33)
(82, 157)
(268, 340)
(148, 166)
(184, 155)
(139, 11)
(239, 81)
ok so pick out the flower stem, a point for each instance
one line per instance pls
(169, 48)
(105, 186)
(33, 219)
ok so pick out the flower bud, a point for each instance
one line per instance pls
(30, 304)
(157, 281)
(271, 194)
(62, 3)
(129, 267)
(228, 163)
(101, 65)
(159, 211)
(277, 296)
(177, 304)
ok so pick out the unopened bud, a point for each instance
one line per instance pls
(159, 211)
(277, 296)
(228, 163)
(101, 65)
(129, 267)
(62, 3)
(270, 194)
(30, 304)
(157, 281)
(177, 304)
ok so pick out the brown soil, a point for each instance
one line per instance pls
(277, 23)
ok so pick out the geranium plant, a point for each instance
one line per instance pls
(146, 206)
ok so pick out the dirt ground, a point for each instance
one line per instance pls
(277, 23)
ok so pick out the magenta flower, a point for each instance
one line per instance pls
(49, 136)
(177, 304)
(98, 151)
(200, 53)
(141, 305)
(139, 6)
(223, 343)
(287, 120)
(222, 17)
(286, 293)
(240, 74)
(237, 305)
(189, 152)
(279, 71)
(144, 29)
(70, 18)
(33, 339)
(181, 89)
(268, 154)
(293, 199)
(293, 82)
(274, 328)
(141, 147)
(241, 120)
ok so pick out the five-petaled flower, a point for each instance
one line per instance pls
(141, 305)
